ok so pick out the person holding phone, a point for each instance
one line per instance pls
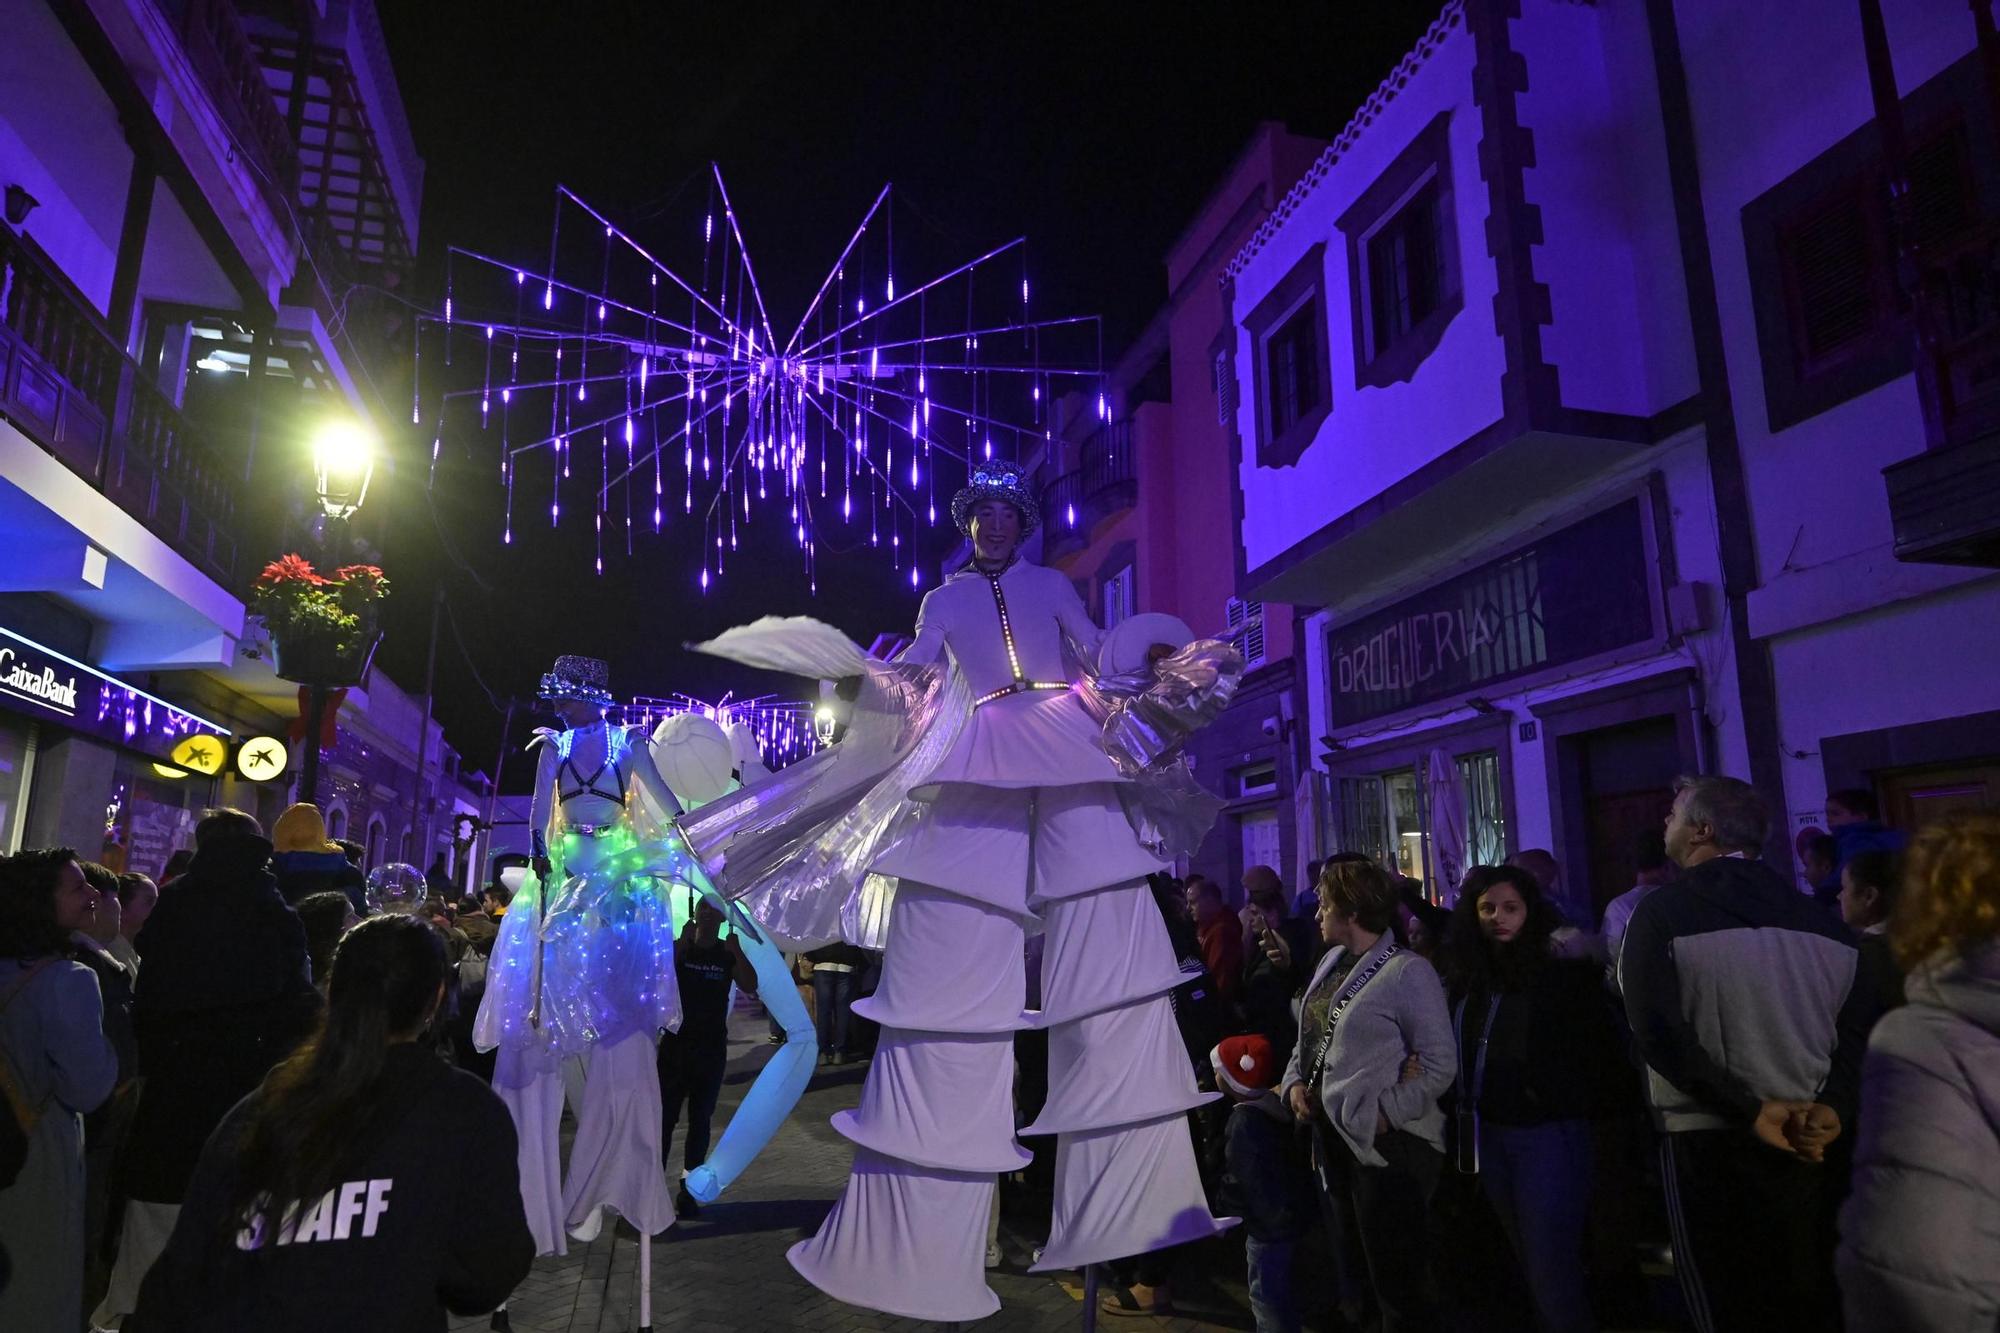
(1279, 951)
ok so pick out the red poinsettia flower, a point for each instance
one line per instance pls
(350, 573)
(289, 569)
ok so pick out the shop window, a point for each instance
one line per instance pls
(1832, 320)
(1485, 812)
(1294, 384)
(1402, 260)
(17, 750)
(1257, 780)
(1359, 818)
(336, 821)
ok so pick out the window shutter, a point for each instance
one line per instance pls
(1225, 390)
(1246, 630)
(1831, 260)
(1940, 203)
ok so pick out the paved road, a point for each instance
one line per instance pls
(725, 1269)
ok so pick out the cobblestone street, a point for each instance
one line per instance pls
(725, 1269)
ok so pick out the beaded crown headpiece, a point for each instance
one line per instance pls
(997, 479)
(585, 678)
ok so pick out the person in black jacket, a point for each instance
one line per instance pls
(324, 1200)
(225, 992)
(1540, 1056)
(1280, 952)
(1743, 1001)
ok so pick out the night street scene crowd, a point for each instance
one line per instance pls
(1340, 674)
(1514, 1112)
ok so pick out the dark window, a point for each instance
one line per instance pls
(1832, 318)
(1291, 364)
(1838, 256)
(1402, 259)
(1406, 275)
(1293, 388)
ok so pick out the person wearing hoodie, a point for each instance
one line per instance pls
(365, 1184)
(306, 862)
(1742, 999)
(225, 993)
(1854, 818)
(1920, 1233)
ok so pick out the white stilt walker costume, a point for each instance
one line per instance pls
(1025, 823)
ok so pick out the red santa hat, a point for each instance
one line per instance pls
(1246, 1065)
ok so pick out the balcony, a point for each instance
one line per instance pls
(229, 68)
(1107, 483)
(1944, 503)
(67, 384)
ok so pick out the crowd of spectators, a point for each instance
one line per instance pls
(210, 1084)
(224, 1095)
(1498, 1115)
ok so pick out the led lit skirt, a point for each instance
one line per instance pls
(607, 949)
(985, 859)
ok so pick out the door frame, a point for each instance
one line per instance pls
(1674, 694)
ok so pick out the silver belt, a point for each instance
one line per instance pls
(1020, 687)
(592, 830)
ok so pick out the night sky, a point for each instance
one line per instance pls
(1095, 130)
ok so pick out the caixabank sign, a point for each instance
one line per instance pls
(52, 687)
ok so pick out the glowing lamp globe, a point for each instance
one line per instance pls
(343, 453)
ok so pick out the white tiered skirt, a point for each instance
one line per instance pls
(1006, 845)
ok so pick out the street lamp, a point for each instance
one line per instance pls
(343, 454)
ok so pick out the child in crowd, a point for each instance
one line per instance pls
(1264, 1177)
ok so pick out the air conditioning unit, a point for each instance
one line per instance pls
(1246, 631)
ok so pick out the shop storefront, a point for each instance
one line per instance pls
(89, 760)
(1531, 700)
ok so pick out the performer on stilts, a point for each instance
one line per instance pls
(583, 970)
(1028, 819)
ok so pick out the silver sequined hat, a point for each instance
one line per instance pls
(585, 678)
(997, 479)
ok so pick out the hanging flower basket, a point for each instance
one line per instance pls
(324, 630)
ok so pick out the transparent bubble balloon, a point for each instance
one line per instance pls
(395, 887)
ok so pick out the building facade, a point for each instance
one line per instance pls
(203, 203)
(1498, 358)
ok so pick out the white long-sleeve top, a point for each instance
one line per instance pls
(962, 616)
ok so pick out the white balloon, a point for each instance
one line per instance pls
(395, 888)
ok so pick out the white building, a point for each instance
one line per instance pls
(192, 188)
(1502, 420)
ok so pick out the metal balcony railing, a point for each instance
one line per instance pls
(68, 385)
(1105, 483)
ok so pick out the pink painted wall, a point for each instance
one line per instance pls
(1184, 472)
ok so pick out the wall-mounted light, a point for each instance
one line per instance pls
(19, 204)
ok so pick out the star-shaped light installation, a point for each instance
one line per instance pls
(614, 383)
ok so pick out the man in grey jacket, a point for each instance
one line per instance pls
(1742, 1002)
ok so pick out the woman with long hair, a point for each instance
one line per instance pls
(1918, 1247)
(1373, 1055)
(365, 1184)
(56, 1065)
(1539, 1058)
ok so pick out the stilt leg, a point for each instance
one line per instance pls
(646, 1283)
(1090, 1298)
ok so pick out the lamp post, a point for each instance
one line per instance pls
(343, 456)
